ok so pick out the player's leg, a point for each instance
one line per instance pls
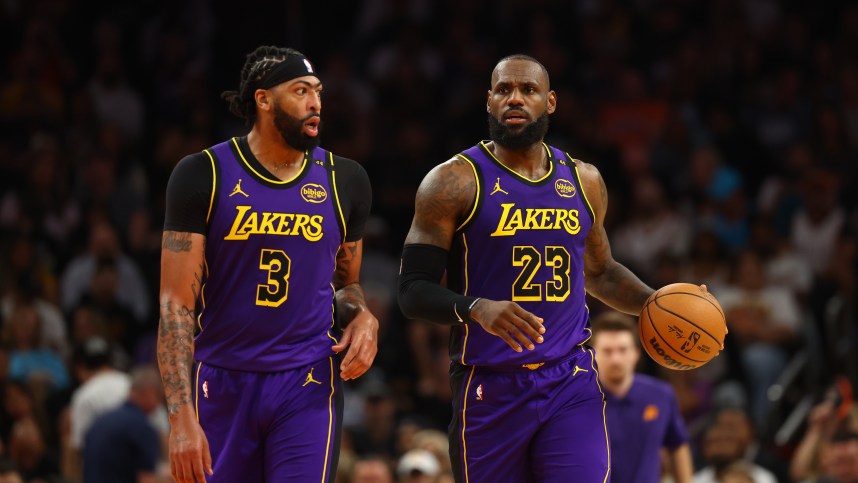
(491, 427)
(572, 442)
(226, 404)
(303, 441)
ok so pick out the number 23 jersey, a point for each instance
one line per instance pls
(523, 241)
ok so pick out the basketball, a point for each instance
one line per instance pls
(682, 326)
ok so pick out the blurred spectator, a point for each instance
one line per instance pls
(29, 360)
(835, 413)
(417, 466)
(122, 446)
(114, 99)
(27, 292)
(9, 473)
(722, 447)
(30, 453)
(817, 224)
(375, 433)
(783, 267)
(102, 389)
(371, 469)
(653, 229)
(129, 287)
(840, 459)
(764, 322)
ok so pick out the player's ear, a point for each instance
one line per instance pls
(263, 99)
(489, 102)
(552, 102)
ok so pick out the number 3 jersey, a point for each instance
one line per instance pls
(523, 241)
(268, 301)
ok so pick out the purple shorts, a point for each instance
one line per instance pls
(272, 427)
(540, 424)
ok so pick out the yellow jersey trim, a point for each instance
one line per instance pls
(464, 423)
(197, 391)
(333, 311)
(203, 295)
(465, 342)
(516, 173)
(584, 192)
(337, 195)
(604, 418)
(330, 421)
(214, 184)
(266, 178)
(478, 194)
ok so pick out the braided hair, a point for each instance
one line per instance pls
(256, 66)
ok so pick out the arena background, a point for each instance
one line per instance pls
(726, 131)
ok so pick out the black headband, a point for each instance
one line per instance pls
(293, 67)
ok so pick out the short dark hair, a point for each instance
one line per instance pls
(93, 353)
(527, 58)
(612, 321)
(257, 64)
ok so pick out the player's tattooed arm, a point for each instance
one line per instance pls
(445, 197)
(182, 271)
(361, 327)
(605, 278)
(350, 297)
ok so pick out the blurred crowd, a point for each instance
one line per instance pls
(726, 131)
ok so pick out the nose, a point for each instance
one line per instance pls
(515, 98)
(314, 102)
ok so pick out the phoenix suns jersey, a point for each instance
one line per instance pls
(267, 299)
(523, 241)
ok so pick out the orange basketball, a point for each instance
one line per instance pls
(682, 326)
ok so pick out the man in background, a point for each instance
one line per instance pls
(122, 446)
(642, 412)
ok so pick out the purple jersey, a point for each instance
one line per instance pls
(523, 241)
(268, 301)
(640, 424)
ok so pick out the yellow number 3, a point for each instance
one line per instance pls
(278, 265)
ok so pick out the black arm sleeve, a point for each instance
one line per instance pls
(355, 196)
(189, 194)
(421, 295)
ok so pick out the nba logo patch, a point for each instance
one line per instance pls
(206, 389)
(480, 392)
(309, 67)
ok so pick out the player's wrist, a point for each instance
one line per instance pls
(470, 312)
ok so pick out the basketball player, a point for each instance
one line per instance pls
(517, 224)
(262, 240)
(643, 415)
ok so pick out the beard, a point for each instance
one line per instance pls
(292, 130)
(524, 137)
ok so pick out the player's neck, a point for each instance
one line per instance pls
(272, 152)
(619, 388)
(530, 162)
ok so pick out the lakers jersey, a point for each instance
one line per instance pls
(523, 241)
(267, 301)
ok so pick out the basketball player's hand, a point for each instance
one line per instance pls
(507, 320)
(190, 457)
(362, 335)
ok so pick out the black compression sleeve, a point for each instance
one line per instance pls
(421, 295)
(189, 194)
(355, 196)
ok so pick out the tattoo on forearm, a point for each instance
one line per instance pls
(176, 348)
(351, 299)
(345, 257)
(177, 241)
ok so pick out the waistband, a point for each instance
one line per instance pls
(578, 352)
